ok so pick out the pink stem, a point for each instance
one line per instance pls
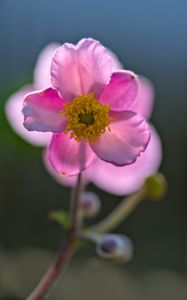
(53, 272)
(65, 253)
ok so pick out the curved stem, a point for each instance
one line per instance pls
(125, 207)
(53, 272)
(62, 259)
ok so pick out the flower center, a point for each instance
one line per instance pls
(86, 118)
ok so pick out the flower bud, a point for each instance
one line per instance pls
(115, 247)
(156, 186)
(89, 204)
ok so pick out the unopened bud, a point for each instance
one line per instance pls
(89, 204)
(115, 247)
(156, 186)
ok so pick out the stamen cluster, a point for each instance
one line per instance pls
(86, 118)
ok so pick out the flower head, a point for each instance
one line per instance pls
(88, 109)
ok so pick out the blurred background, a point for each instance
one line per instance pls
(149, 38)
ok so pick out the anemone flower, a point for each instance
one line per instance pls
(121, 181)
(88, 110)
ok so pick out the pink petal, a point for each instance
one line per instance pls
(121, 91)
(117, 65)
(143, 103)
(128, 179)
(81, 69)
(69, 181)
(42, 77)
(42, 111)
(128, 137)
(14, 115)
(67, 156)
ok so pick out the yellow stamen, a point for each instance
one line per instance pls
(86, 118)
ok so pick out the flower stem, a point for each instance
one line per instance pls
(53, 272)
(75, 205)
(119, 213)
(64, 255)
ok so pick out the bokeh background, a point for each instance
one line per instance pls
(150, 38)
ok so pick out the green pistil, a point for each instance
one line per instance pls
(87, 119)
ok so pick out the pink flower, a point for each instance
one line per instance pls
(14, 104)
(88, 109)
(117, 180)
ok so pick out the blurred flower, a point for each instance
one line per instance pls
(14, 104)
(90, 204)
(115, 247)
(82, 125)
